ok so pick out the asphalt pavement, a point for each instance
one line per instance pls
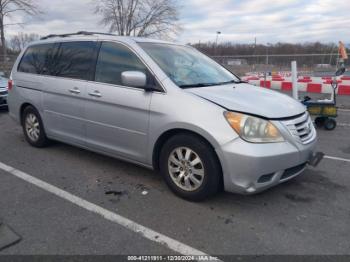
(306, 216)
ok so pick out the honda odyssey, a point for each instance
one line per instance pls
(162, 105)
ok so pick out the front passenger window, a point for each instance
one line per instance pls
(113, 60)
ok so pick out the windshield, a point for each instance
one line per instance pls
(187, 67)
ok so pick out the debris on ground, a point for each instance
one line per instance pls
(82, 229)
(114, 192)
(144, 189)
(141, 187)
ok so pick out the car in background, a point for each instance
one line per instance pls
(3, 90)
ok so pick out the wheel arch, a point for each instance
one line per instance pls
(22, 108)
(173, 132)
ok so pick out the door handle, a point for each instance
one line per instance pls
(75, 90)
(96, 93)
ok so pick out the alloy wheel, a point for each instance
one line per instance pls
(32, 127)
(186, 168)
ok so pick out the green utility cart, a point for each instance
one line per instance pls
(325, 110)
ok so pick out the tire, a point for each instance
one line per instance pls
(319, 121)
(198, 176)
(33, 128)
(330, 124)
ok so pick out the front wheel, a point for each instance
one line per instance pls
(33, 127)
(190, 167)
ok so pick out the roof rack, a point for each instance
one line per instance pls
(78, 33)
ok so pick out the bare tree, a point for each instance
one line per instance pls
(7, 8)
(19, 41)
(157, 18)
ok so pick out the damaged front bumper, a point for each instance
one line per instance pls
(251, 168)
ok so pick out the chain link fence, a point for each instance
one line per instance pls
(308, 64)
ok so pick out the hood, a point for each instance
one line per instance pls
(250, 99)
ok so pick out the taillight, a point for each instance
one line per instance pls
(9, 84)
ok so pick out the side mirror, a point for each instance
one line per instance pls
(134, 79)
(340, 71)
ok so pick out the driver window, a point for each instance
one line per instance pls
(113, 60)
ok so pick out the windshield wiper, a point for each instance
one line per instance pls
(198, 85)
(232, 82)
(212, 84)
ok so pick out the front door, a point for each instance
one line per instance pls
(117, 116)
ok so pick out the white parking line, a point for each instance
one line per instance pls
(343, 110)
(343, 124)
(337, 158)
(111, 216)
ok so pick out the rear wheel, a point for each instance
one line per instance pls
(190, 167)
(330, 124)
(33, 128)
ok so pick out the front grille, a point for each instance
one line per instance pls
(301, 128)
(3, 93)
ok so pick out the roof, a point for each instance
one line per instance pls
(83, 35)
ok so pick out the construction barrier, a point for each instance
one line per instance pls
(305, 84)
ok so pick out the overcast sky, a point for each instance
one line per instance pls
(238, 20)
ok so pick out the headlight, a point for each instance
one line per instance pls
(253, 129)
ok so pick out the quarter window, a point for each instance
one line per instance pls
(113, 60)
(37, 59)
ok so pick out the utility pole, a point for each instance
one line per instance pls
(256, 61)
(267, 54)
(216, 42)
(217, 37)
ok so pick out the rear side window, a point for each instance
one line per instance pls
(37, 59)
(113, 60)
(75, 60)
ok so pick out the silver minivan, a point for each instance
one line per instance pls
(161, 105)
